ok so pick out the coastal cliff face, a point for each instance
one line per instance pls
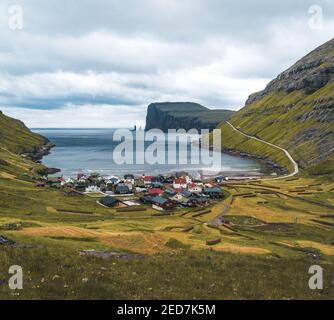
(296, 111)
(17, 138)
(184, 115)
(308, 75)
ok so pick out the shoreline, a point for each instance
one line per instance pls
(38, 155)
(268, 164)
(268, 167)
(42, 151)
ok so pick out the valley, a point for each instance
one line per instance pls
(257, 241)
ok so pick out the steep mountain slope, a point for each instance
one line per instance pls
(17, 138)
(184, 115)
(295, 111)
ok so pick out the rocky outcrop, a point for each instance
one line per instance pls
(309, 74)
(184, 115)
(39, 152)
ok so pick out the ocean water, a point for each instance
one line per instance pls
(91, 150)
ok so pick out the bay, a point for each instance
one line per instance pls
(91, 150)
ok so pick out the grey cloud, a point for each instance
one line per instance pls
(186, 19)
(130, 53)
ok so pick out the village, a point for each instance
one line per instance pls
(162, 192)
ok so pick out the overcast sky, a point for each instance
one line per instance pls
(99, 63)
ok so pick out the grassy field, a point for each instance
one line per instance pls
(54, 270)
(273, 232)
(265, 250)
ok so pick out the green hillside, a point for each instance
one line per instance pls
(296, 112)
(16, 137)
(269, 249)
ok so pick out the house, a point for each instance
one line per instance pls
(157, 185)
(122, 189)
(6, 242)
(162, 204)
(55, 177)
(220, 179)
(155, 191)
(187, 194)
(188, 179)
(92, 188)
(103, 187)
(214, 192)
(169, 193)
(70, 181)
(147, 180)
(109, 202)
(127, 184)
(199, 201)
(55, 180)
(198, 182)
(179, 197)
(194, 188)
(129, 178)
(112, 181)
(168, 180)
(81, 176)
(181, 200)
(140, 190)
(147, 199)
(180, 183)
(180, 174)
(156, 179)
(80, 188)
(131, 203)
(82, 179)
(111, 184)
(54, 183)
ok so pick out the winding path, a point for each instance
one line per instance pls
(295, 164)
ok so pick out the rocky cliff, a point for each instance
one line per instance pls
(295, 111)
(309, 74)
(184, 115)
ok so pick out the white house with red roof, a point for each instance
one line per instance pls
(194, 188)
(147, 180)
(180, 183)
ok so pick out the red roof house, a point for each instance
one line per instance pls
(147, 179)
(155, 191)
(180, 183)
